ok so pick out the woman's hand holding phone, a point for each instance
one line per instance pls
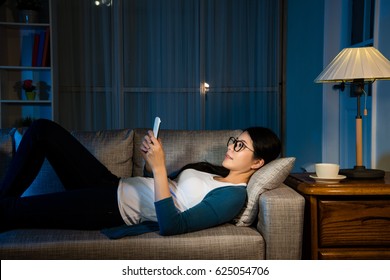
(152, 150)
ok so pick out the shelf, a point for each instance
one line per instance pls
(29, 102)
(35, 68)
(25, 54)
(24, 25)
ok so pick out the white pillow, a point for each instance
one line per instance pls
(268, 177)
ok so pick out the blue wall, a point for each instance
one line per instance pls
(382, 125)
(305, 25)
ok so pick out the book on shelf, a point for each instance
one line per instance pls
(46, 52)
(35, 50)
(40, 48)
(27, 48)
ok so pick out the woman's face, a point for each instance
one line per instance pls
(242, 160)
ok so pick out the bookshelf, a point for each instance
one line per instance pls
(25, 54)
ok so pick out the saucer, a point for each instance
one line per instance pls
(336, 179)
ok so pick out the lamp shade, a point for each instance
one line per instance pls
(366, 64)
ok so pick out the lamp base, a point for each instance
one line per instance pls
(360, 172)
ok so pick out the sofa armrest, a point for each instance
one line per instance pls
(280, 221)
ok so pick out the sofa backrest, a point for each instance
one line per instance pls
(119, 151)
(185, 146)
(113, 148)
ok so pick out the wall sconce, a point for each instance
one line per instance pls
(107, 3)
(204, 88)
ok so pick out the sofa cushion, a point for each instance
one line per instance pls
(223, 242)
(182, 147)
(266, 178)
(113, 148)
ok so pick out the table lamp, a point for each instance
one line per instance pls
(357, 67)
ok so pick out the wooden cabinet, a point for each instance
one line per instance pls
(349, 219)
(25, 54)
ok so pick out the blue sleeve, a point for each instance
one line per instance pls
(219, 206)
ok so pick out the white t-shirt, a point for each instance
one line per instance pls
(136, 194)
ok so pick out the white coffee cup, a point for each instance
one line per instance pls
(327, 170)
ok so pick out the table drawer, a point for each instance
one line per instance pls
(354, 223)
(354, 254)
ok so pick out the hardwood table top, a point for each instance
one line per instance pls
(307, 185)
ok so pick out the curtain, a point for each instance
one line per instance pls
(242, 63)
(122, 64)
(161, 63)
(84, 49)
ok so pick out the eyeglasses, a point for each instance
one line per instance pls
(239, 145)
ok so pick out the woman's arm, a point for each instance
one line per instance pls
(153, 154)
(219, 206)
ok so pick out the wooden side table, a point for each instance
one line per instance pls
(349, 219)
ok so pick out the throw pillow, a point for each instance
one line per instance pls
(268, 177)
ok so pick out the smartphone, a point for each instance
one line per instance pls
(156, 126)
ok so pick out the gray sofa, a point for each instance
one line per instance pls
(276, 233)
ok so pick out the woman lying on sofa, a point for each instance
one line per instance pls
(199, 196)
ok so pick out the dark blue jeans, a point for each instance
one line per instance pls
(90, 199)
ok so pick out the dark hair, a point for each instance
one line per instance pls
(266, 145)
